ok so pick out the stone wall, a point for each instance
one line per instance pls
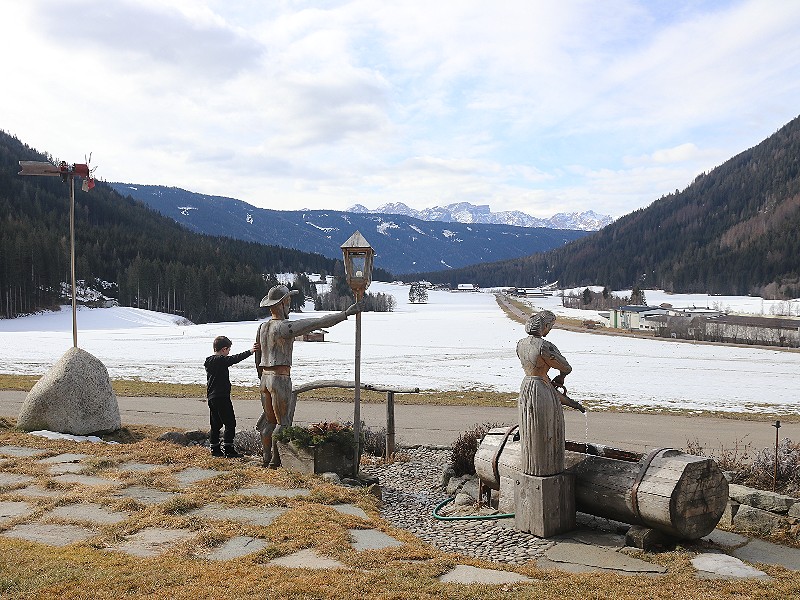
(761, 512)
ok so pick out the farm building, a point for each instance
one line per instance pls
(635, 317)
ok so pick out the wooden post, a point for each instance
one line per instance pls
(67, 172)
(72, 259)
(545, 506)
(357, 394)
(389, 424)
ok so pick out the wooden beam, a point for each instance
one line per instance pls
(323, 383)
(35, 167)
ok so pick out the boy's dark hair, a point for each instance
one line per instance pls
(221, 342)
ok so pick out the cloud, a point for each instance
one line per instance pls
(542, 107)
(683, 153)
(148, 37)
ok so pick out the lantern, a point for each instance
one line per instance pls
(358, 255)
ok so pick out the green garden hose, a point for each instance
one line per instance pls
(436, 514)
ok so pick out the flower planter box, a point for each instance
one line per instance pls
(325, 458)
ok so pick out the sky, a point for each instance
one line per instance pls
(456, 341)
(542, 107)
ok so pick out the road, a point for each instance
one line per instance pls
(441, 425)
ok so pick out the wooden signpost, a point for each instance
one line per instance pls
(68, 174)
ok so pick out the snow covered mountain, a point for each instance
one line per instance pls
(464, 212)
(404, 244)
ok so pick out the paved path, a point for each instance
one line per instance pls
(441, 425)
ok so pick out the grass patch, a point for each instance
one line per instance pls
(89, 570)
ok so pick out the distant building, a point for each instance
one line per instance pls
(467, 287)
(635, 317)
(746, 329)
(315, 336)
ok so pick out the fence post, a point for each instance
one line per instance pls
(389, 425)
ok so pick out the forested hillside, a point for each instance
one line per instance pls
(735, 230)
(150, 261)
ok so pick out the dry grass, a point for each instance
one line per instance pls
(89, 570)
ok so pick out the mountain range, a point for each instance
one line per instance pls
(402, 243)
(734, 230)
(464, 212)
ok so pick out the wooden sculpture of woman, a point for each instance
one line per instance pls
(541, 418)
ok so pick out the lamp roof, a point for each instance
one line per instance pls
(356, 241)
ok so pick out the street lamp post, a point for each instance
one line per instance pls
(68, 174)
(358, 256)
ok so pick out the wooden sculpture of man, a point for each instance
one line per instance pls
(274, 363)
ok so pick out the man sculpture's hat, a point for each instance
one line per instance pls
(277, 294)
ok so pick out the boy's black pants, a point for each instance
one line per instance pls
(221, 411)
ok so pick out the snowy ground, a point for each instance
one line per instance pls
(455, 341)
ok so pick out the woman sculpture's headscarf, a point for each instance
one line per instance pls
(536, 324)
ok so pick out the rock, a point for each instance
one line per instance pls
(731, 508)
(777, 503)
(376, 491)
(331, 477)
(470, 488)
(794, 510)
(455, 484)
(463, 499)
(175, 437)
(74, 396)
(195, 435)
(447, 475)
(755, 520)
(367, 480)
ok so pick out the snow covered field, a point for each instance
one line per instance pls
(455, 341)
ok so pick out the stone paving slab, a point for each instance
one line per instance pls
(603, 539)
(52, 535)
(350, 509)
(726, 538)
(152, 541)
(601, 558)
(20, 451)
(270, 491)
(11, 479)
(307, 559)
(137, 467)
(145, 495)
(67, 457)
(11, 510)
(467, 574)
(88, 513)
(192, 475)
(262, 517)
(62, 468)
(37, 491)
(89, 480)
(759, 551)
(548, 565)
(716, 565)
(371, 539)
(236, 548)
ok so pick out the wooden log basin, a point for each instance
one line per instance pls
(681, 494)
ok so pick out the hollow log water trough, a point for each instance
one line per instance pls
(680, 494)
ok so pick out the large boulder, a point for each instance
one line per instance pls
(74, 396)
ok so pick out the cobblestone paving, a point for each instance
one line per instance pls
(411, 492)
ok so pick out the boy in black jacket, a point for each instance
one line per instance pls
(219, 395)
